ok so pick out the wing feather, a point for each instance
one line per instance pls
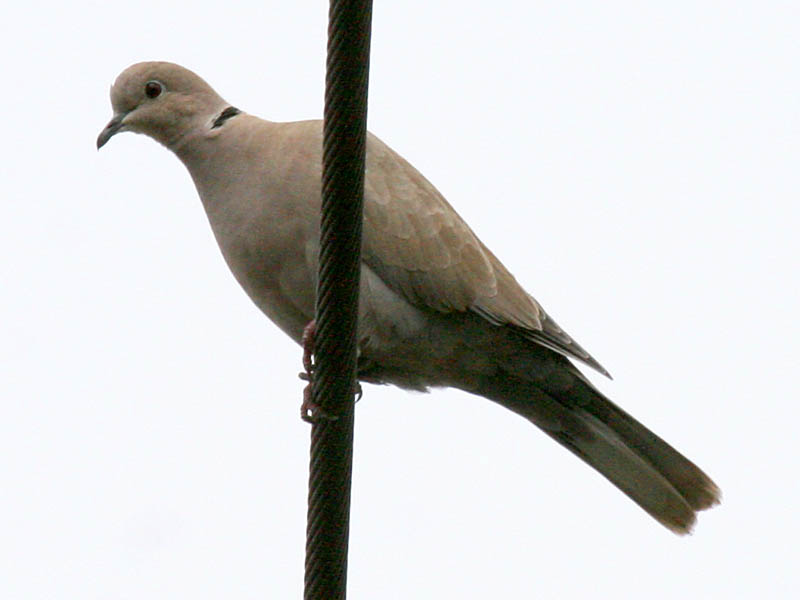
(417, 243)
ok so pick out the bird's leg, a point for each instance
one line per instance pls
(307, 341)
(309, 411)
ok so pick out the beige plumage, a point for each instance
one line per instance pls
(437, 308)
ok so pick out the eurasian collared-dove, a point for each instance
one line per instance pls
(437, 308)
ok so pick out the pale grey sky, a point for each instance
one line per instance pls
(635, 166)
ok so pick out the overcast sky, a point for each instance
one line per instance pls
(635, 165)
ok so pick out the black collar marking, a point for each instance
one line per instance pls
(224, 116)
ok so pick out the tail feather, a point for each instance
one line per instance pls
(693, 484)
(647, 469)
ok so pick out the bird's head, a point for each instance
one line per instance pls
(162, 100)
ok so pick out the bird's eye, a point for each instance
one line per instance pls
(152, 89)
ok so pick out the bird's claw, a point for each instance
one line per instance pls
(311, 412)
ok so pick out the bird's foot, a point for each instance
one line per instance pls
(311, 412)
(307, 341)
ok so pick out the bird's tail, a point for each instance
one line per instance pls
(651, 472)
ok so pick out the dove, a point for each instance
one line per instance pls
(436, 309)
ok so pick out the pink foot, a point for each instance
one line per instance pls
(310, 412)
(307, 341)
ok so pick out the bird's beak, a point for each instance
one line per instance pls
(114, 126)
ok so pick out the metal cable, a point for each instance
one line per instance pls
(344, 149)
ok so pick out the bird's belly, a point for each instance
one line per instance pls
(416, 347)
(279, 284)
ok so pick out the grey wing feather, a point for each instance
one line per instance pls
(417, 243)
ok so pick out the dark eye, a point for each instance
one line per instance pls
(152, 89)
